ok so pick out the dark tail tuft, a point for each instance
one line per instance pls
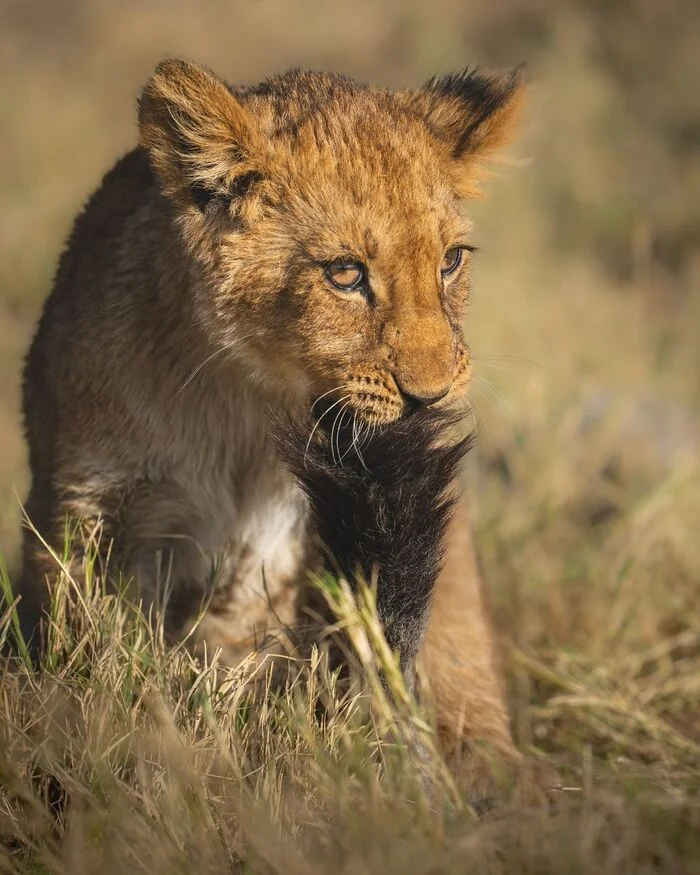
(386, 508)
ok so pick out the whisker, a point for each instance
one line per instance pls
(469, 409)
(334, 389)
(357, 432)
(318, 422)
(480, 423)
(359, 446)
(332, 435)
(200, 366)
(489, 360)
(495, 366)
(353, 429)
(372, 431)
(339, 420)
(227, 347)
(491, 392)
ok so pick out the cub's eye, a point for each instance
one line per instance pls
(346, 275)
(451, 261)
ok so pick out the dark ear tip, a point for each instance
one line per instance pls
(517, 75)
(508, 81)
(473, 80)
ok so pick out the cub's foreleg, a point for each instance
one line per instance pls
(144, 536)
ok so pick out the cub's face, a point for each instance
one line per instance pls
(325, 217)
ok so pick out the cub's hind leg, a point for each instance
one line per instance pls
(459, 661)
(458, 658)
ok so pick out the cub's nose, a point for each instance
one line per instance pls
(415, 401)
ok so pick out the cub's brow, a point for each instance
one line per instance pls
(332, 253)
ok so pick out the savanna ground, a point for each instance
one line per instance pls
(123, 756)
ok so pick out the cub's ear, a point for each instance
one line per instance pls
(201, 140)
(474, 115)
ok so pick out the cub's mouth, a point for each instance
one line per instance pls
(347, 423)
(370, 400)
(354, 413)
(360, 403)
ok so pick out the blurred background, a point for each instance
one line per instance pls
(586, 307)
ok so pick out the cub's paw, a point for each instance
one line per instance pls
(490, 780)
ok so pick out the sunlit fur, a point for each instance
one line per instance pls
(331, 168)
(192, 302)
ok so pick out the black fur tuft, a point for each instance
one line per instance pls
(386, 510)
(483, 93)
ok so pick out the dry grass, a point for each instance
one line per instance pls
(122, 756)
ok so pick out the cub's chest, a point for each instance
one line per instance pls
(247, 512)
(256, 531)
(262, 571)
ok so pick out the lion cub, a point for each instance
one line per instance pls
(286, 247)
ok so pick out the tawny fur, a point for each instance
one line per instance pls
(192, 303)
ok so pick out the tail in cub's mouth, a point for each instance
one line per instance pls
(384, 510)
